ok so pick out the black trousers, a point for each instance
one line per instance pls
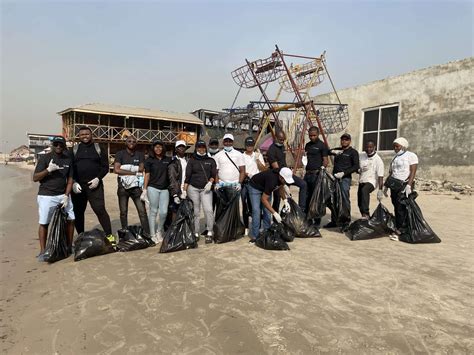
(246, 204)
(310, 179)
(97, 202)
(400, 210)
(363, 197)
(301, 196)
(134, 193)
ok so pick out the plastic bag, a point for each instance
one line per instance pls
(180, 235)
(321, 197)
(228, 225)
(272, 238)
(381, 223)
(133, 238)
(296, 223)
(340, 209)
(415, 229)
(91, 243)
(57, 244)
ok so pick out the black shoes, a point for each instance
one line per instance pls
(330, 225)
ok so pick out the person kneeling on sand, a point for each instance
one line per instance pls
(54, 173)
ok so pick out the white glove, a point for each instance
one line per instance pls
(304, 160)
(176, 200)
(208, 186)
(237, 187)
(339, 175)
(385, 189)
(184, 194)
(93, 183)
(277, 217)
(287, 206)
(336, 151)
(407, 190)
(380, 195)
(323, 168)
(64, 201)
(287, 191)
(76, 188)
(144, 196)
(134, 169)
(53, 167)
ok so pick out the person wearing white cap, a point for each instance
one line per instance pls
(261, 187)
(230, 164)
(401, 178)
(176, 173)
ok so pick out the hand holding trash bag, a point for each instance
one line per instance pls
(176, 200)
(339, 175)
(295, 222)
(64, 201)
(277, 217)
(407, 190)
(208, 186)
(76, 188)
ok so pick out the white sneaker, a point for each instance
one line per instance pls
(394, 237)
(246, 232)
(158, 238)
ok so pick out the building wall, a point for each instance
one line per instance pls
(436, 116)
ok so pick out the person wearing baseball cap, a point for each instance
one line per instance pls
(230, 164)
(176, 173)
(346, 162)
(54, 173)
(261, 187)
(213, 147)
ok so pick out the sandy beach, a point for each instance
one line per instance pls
(326, 295)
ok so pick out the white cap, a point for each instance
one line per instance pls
(228, 136)
(287, 174)
(402, 141)
(178, 143)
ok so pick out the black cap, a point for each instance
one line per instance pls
(213, 141)
(158, 141)
(200, 143)
(249, 141)
(346, 135)
(59, 139)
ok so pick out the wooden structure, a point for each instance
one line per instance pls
(111, 124)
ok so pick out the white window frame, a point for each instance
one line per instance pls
(379, 108)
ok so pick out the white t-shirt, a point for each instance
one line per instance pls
(227, 171)
(251, 167)
(184, 163)
(401, 165)
(371, 168)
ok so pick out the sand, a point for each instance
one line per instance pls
(327, 295)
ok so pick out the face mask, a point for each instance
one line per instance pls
(201, 154)
(228, 149)
(400, 152)
(371, 155)
(279, 144)
(213, 150)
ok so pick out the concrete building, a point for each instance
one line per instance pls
(433, 108)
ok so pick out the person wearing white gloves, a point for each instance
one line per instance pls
(261, 188)
(346, 162)
(54, 173)
(316, 158)
(129, 164)
(230, 164)
(90, 164)
(199, 179)
(401, 178)
(176, 174)
(371, 177)
(155, 189)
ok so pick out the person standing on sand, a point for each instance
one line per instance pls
(176, 174)
(371, 177)
(90, 165)
(54, 173)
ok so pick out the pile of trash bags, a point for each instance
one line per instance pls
(133, 238)
(227, 226)
(296, 223)
(57, 244)
(180, 234)
(381, 223)
(91, 243)
(322, 195)
(415, 228)
(273, 238)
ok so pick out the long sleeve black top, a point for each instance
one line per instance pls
(88, 164)
(347, 161)
(199, 170)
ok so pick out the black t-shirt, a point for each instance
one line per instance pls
(266, 181)
(315, 153)
(88, 164)
(55, 183)
(276, 153)
(158, 169)
(125, 158)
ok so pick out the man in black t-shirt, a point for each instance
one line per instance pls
(90, 164)
(316, 159)
(54, 173)
(129, 166)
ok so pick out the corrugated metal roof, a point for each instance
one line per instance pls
(116, 110)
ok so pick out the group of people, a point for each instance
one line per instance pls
(71, 178)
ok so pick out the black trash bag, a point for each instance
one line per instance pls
(227, 225)
(91, 243)
(57, 244)
(296, 223)
(272, 238)
(321, 197)
(133, 238)
(415, 229)
(180, 235)
(381, 223)
(340, 209)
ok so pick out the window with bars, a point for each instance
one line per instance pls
(380, 126)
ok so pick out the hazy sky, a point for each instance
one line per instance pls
(178, 56)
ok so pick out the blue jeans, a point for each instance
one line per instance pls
(246, 204)
(159, 200)
(257, 209)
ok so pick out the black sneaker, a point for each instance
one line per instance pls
(208, 239)
(252, 241)
(330, 225)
